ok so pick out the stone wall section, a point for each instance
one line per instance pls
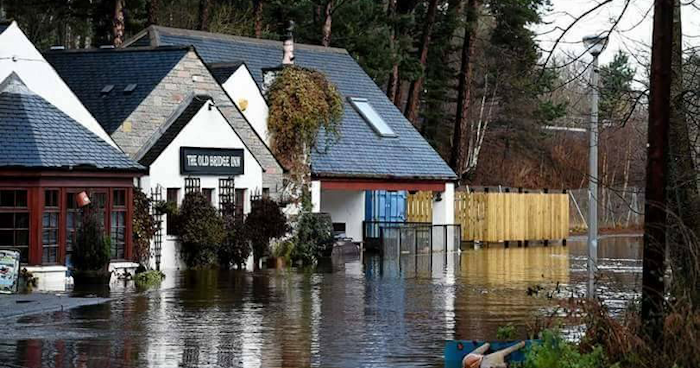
(190, 75)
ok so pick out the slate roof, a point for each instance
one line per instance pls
(162, 137)
(222, 71)
(36, 134)
(360, 152)
(88, 72)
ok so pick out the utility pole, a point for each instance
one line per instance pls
(595, 45)
(657, 171)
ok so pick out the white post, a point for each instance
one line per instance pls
(444, 214)
(593, 183)
(316, 196)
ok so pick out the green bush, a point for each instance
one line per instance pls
(147, 279)
(91, 251)
(554, 352)
(201, 230)
(313, 239)
(264, 223)
(236, 246)
(506, 332)
(144, 227)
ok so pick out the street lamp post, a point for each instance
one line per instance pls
(595, 45)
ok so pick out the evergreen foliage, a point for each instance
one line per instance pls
(144, 227)
(313, 238)
(201, 230)
(302, 102)
(235, 249)
(91, 250)
(264, 223)
(616, 87)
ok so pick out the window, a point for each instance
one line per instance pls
(72, 220)
(14, 222)
(118, 224)
(49, 238)
(240, 200)
(209, 193)
(372, 117)
(171, 196)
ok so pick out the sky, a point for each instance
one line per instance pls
(632, 34)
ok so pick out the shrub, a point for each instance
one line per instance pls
(201, 230)
(313, 239)
(91, 250)
(264, 223)
(147, 279)
(554, 352)
(236, 246)
(144, 227)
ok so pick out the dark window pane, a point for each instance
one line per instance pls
(22, 237)
(21, 198)
(21, 220)
(7, 220)
(7, 198)
(51, 198)
(172, 194)
(99, 199)
(7, 237)
(24, 255)
(119, 197)
(70, 200)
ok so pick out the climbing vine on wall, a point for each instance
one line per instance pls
(302, 101)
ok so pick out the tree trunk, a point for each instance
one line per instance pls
(118, 23)
(414, 92)
(460, 142)
(682, 190)
(328, 20)
(153, 6)
(203, 23)
(657, 171)
(257, 14)
(392, 85)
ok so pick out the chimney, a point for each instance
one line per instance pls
(270, 74)
(288, 46)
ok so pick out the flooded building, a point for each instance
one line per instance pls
(378, 148)
(163, 107)
(52, 149)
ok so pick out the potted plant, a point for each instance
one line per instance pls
(91, 251)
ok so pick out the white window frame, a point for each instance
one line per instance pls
(378, 124)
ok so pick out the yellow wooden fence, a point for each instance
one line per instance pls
(498, 217)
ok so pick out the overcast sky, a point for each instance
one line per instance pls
(632, 34)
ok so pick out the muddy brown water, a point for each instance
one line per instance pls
(369, 313)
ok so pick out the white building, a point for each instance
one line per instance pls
(197, 143)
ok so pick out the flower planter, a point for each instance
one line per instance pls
(98, 277)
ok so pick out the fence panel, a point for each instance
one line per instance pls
(498, 217)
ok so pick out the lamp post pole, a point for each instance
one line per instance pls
(593, 182)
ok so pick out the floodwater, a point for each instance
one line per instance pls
(369, 313)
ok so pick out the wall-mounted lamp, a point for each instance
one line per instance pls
(437, 196)
(82, 199)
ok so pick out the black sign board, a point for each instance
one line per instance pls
(211, 161)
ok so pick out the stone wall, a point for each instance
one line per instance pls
(190, 75)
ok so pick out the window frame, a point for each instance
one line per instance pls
(14, 210)
(366, 110)
(56, 211)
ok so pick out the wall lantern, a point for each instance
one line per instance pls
(437, 196)
(82, 199)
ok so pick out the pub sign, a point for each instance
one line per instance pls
(211, 161)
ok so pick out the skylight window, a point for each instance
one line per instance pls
(372, 117)
(107, 89)
(130, 88)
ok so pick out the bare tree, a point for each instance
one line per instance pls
(416, 88)
(328, 21)
(203, 21)
(258, 16)
(118, 23)
(393, 84)
(657, 171)
(460, 145)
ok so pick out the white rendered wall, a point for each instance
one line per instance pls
(348, 207)
(444, 214)
(207, 129)
(315, 196)
(18, 54)
(241, 86)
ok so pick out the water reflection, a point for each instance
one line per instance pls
(370, 312)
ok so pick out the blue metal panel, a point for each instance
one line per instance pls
(382, 205)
